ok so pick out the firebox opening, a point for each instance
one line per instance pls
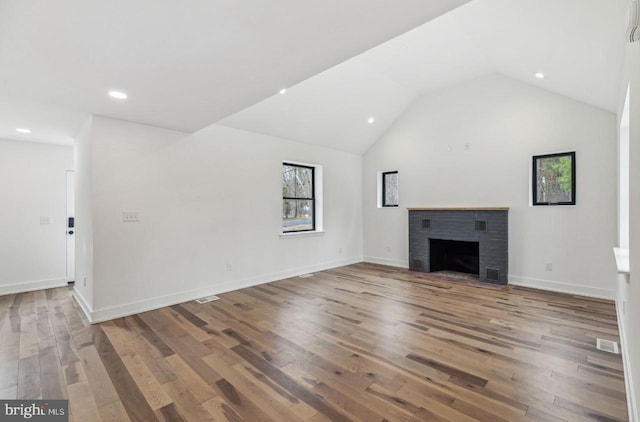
(454, 255)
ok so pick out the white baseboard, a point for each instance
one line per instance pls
(84, 305)
(132, 308)
(387, 261)
(29, 286)
(629, 384)
(558, 286)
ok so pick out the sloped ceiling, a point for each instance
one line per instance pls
(577, 44)
(185, 65)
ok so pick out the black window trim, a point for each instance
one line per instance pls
(534, 179)
(384, 189)
(312, 199)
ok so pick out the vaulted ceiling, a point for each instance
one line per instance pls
(186, 66)
(576, 44)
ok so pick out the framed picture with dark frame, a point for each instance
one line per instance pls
(554, 179)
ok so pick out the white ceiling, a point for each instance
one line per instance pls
(47, 124)
(577, 44)
(330, 109)
(185, 65)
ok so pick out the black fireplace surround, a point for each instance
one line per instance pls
(473, 241)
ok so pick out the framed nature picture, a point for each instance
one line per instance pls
(554, 179)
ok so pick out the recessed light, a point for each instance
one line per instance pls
(282, 91)
(23, 130)
(371, 120)
(539, 75)
(119, 95)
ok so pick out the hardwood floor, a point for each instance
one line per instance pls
(362, 342)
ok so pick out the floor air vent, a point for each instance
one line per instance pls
(207, 299)
(607, 346)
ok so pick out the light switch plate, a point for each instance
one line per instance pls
(45, 220)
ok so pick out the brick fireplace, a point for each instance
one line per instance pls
(469, 240)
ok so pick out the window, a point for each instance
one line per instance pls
(554, 179)
(298, 198)
(390, 189)
(623, 182)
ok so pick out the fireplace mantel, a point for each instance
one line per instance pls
(460, 209)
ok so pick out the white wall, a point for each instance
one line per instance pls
(32, 185)
(504, 123)
(628, 298)
(83, 290)
(205, 201)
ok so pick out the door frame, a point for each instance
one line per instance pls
(70, 253)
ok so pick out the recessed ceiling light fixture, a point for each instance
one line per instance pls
(23, 130)
(371, 120)
(119, 95)
(539, 75)
(282, 91)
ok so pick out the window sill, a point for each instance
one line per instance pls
(622, 260)
(292, 235)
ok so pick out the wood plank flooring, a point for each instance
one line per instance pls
(357, 343)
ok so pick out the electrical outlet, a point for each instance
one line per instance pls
(84, 283)
(339, 250)
(130, 216)
(229, 267)
(388, 248)
(548, 266)
(45, 220)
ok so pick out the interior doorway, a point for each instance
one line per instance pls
(71, 243)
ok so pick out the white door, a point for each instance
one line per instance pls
(71, 242)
